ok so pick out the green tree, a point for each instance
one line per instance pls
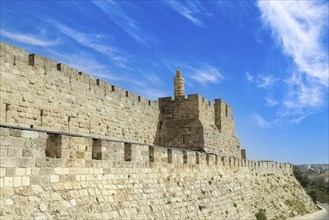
(302, 179)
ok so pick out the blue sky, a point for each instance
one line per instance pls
(267, 59)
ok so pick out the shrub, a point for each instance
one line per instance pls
(313, 195)
(260, 215)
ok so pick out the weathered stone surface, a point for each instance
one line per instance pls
(191, 184)
(114, 170)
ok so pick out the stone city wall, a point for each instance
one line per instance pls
(45, 174)
(75, 147)
(40, 93)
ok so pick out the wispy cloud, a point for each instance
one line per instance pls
(30, 39)
(259, 120)
(262, 81)
(249, 77)
(191, 10)
(119, 16)
(94, 41)
(153, 79)
(206, 74)
(266, 81)
(271, 102)
(299, 27)
(85, 62)
(149, 85)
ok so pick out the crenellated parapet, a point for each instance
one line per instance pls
(41, 93)
(61, 155)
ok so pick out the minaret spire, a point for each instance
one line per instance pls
(179, 83)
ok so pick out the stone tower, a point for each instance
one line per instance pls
(179, 84)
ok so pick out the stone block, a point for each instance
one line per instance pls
(30, 134)
(40, 162)
(8, 181)
(54, 178)
(44, 179)
(26, 181)
(11, 171)
(47, 171)
(3, 151)
(2, 171)
(35, 180)
(8, 162)
(14, 151)
(27, 152)
(27, 162)
(4, 132)
(17, 181)
(16, 133)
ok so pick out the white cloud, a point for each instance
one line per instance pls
(266, 81)
(118, 15)
(191, 10)
(262, 81)
(249, 77)
(94, 41)
(259, 120)
(36, 40)
(271, 102)
(300, 28)
(205, 75)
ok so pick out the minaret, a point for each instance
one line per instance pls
(179, 84)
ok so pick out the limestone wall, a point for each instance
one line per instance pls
(48, 175)
(179, 123)
(218, 139)
(41, 93)
(223, 117)
(190, 122)
(221, 143)
(75, 147)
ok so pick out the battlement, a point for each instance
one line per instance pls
(13, 55)
(61, 155)
(42, 93)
